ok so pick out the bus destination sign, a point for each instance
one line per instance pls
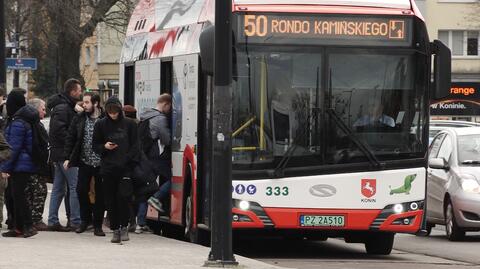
(324, 30)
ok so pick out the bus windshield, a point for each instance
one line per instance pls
(298, 108)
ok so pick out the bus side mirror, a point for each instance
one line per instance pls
(207, 49)
(442, 69)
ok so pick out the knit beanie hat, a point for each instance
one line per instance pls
(15, 101)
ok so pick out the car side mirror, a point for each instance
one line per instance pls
(438, 163)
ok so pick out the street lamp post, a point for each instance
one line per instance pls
(221, 227)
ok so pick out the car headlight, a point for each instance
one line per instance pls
(470, 184)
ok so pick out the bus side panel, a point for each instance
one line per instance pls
(147, 84)
(184, 125)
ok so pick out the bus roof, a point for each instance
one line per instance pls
(397, 4)
(161, 28)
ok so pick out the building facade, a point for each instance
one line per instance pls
(457, 24)
(99, 60)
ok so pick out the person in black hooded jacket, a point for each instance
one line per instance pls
(115, 139)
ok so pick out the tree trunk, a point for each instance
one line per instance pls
(68, 59)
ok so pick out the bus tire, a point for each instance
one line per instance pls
(191, 232)
(380, 243)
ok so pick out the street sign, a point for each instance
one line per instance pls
(9, 45)
(21, 63)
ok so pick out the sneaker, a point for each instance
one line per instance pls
(29, 232)
(146, 229)
(155, 203)
(98, 232)
(57, 228)
(116, 237)
(12, 233)
(82, 228)
(143, 229)
(124, 234)
(40, 226)
(132, 228)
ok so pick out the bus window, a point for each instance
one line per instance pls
(129, 84)
(166, 77)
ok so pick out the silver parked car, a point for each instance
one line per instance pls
(439, 125)
(453, 182)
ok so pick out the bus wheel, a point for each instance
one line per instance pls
(191, 232)
(380, 243)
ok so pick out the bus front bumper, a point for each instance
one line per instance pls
(402, 218)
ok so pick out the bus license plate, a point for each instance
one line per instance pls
(322, 221)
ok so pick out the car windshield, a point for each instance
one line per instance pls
(292, 109)
(469, 149)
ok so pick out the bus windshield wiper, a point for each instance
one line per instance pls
(279, 170)
(471, 162)
(360, 144)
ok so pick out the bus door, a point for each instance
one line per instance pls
(184, 129)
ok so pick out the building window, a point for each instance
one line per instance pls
(87, 56)
(472, 43)
(95, 55)
(460, 42)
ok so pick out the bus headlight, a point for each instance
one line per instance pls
(398, 208)
(244, 205)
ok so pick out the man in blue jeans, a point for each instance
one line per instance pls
(62, 107)
(160, 154)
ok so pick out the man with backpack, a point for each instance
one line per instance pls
(19, 133)
(36, 190)
(155, 140)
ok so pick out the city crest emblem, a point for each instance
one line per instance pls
(369, 187)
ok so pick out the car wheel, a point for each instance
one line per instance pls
(454, 232)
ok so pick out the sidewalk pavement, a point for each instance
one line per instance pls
(52, 250)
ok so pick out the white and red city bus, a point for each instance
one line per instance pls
(330, 113)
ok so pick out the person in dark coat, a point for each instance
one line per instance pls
(15, 101)
(115, 139)
(36, 190)
(62, 107)
(20, 167)
(79, 153)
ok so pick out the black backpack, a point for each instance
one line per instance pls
(145, 136)
(40, 152)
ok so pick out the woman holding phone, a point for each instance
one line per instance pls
(115, 139)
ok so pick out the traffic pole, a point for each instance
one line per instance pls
(221, 253)
(3, 74)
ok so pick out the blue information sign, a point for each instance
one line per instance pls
(21, 63)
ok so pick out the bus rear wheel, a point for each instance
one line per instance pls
(191, 233)
(380, 243)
